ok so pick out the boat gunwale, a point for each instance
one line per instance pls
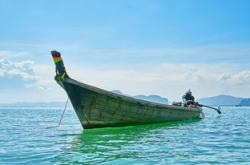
(128, 98)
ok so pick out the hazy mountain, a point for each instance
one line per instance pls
(221, 100)
(245, 102)
(117, 92)
(152, 98)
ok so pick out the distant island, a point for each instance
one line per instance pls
(152, 98)
(245, 102)
(225, 100)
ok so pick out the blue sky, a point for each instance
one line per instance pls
(140, 47)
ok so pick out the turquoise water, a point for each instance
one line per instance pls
(25, 139)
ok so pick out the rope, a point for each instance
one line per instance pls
(65, 107)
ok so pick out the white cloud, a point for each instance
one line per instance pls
(238, 78)
(33, 75)
(21, 69)
(37, 81)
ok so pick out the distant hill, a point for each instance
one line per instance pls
(117, 92)
(221, 100)
(245, 102)
(152, 98)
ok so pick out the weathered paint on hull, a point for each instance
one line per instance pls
(99, 108)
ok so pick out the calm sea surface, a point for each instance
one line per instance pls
(25, 139)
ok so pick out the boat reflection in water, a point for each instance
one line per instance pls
(133, 143)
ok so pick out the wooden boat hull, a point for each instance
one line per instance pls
(99, 108)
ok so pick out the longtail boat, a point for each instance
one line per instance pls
(97, 108)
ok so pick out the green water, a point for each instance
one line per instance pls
(25, 139)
